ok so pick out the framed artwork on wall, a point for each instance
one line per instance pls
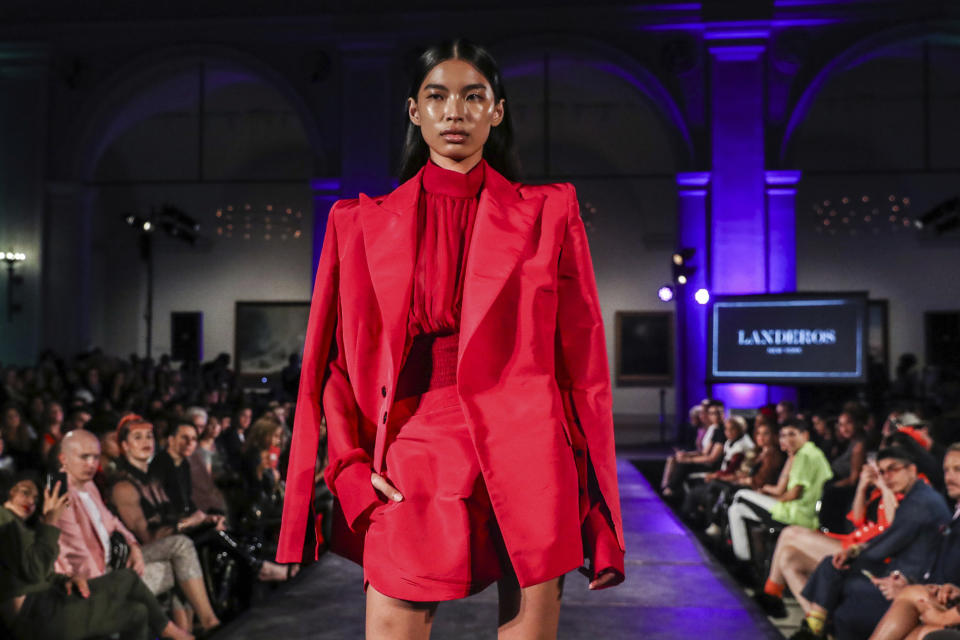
(267, 333)
(644, 348)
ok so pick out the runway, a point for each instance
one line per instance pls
(673, 590)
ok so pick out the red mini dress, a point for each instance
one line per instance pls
(441, 542)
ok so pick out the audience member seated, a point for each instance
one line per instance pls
(8, 465)
(147, 512)
(171, 467)
(706, 458)
(261, 457)
(758, 470)
(38, 604)
(232, 439)
(738, 445)
(839, 492)
(86, 525)
(52, 431)
(799, 550)
(206, 464)
(794, 504)
(919, 609)
(823, 434)
(17, 436)
(786, 412)
(840, 587)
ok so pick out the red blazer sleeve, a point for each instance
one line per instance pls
(583, 376)
(324, 391)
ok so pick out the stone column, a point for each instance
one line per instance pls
(738, 231)
(692, 225)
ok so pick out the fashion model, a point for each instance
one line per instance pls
(455, 348)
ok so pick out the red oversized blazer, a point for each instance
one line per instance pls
(532, 374)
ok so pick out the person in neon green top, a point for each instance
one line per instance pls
(793, 500)
(810, 471)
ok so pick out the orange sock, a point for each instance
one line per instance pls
(774, 589)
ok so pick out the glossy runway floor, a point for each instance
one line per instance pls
(674, 589)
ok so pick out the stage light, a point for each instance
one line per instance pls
(683, 256)
(147, 226)
(702, 296)
(682, 279)
(665, 293)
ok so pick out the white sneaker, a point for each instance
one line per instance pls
(713, 531)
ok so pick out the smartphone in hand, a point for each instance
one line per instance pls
(53, 478)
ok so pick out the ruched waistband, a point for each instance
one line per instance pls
(431, 364)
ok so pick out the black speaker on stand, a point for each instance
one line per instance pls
(186, 335)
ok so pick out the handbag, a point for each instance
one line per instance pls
(119, 551)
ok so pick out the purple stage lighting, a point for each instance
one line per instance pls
(702, 296)
(665, 293)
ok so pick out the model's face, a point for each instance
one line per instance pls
(951, 474)
(139, 444)
(455, 110)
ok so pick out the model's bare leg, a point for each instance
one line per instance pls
(392, 619)
(529, 613)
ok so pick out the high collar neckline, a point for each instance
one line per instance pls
(437, 180)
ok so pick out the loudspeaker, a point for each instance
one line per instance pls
(942, 333)
(186, 335)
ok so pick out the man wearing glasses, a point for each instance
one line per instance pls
(842, 586)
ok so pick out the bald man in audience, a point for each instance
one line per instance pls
(87, 524)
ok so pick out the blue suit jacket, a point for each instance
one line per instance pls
(913, 540)
(946, 565)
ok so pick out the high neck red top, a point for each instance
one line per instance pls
(445, 215)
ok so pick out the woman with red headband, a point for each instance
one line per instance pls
(455, 347)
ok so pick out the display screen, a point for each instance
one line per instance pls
(798, 338)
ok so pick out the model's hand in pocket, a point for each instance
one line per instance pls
(382, 485)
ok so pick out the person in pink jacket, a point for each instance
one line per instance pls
(87, 525)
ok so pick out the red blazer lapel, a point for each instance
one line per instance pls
(500, 233)
(390, 243)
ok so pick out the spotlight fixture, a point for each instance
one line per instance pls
(682, 269)
(14, 281)
(941, 218)
(665, 293)
(702, 296)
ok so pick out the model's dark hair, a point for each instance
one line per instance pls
(499, 150)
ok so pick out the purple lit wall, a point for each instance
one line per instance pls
(738, 222)
(325, 193)
(692, 226)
